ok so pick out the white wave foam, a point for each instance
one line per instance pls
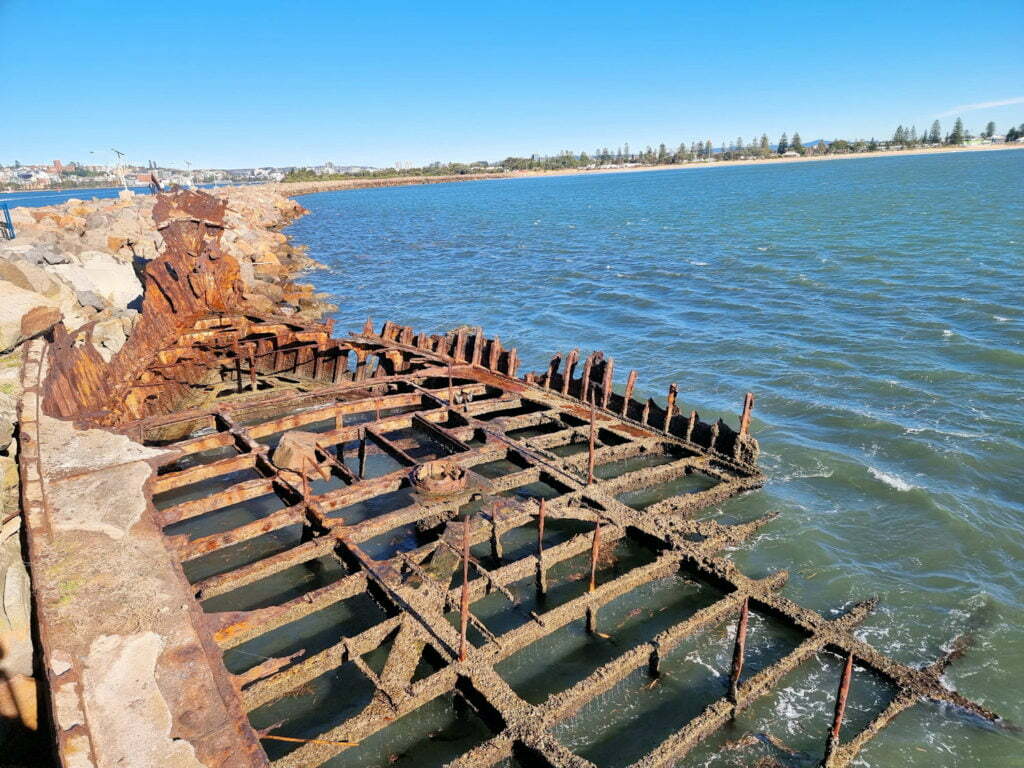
(699, 263)
(806, 473)
(947, 332)
(1000, 318)
(892, 481)
(947, 432)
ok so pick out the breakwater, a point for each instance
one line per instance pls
(296, 188)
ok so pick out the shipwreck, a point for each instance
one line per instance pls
(237, 507)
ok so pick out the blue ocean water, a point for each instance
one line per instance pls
(873, 306)
(37, 198)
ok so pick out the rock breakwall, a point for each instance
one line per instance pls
(79, 264)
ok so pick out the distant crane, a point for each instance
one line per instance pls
(120, 167)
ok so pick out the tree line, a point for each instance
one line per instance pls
(697, 151)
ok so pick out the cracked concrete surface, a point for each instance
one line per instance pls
(131, 722)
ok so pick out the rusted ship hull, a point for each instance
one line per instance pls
(190, 419)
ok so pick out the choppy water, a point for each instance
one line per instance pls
(874, 308)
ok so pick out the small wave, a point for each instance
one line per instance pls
(699, 263)
(1000, 319)
(807, 473)
(695, 658)
(947, 432)
(947, 332)
(892, 481)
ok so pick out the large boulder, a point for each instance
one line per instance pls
(27, 275)
(296, 451)
(46, 253)
(24, 314)
(103, 275)
(267, 265)
(108, 336)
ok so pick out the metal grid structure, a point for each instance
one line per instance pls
(385, 458)
(411, 400)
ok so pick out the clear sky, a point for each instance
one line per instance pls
(224, 83)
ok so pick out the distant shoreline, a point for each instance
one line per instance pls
(297, 188)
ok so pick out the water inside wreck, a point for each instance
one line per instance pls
(600, 629)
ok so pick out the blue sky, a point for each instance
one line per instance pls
(235, 84)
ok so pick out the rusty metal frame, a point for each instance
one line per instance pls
(396, 374)
(212, 379)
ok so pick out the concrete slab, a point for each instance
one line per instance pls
(125, 649)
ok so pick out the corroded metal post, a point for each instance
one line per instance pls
(362, 453)
(451, 400)
(748, 404)
(628, 395)
(460, 344)
(552, 370)
(570, 367)
(837, 720)
(738, 651)
(673, 391)
(464, 601)
(606, 381)
(496, 549)
(590, 449)
(495, 354)
(585, 383)
(654, 660)
(305, 479)
(542, 579)
(594, 549)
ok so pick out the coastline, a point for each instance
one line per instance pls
(297, 188)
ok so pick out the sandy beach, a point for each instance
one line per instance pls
(293, 189)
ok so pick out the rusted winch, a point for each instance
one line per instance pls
(438, 478)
